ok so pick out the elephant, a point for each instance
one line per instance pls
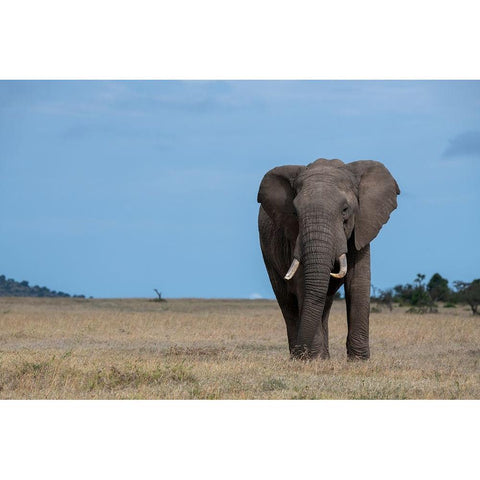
(315, 225)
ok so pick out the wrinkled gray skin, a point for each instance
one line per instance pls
(316, 213)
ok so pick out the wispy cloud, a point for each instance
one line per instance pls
(185, 96)
(146, 98)
(348, 98)
(137, 98)
(465, 144)
(107, 132)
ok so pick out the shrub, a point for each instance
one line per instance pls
(438, 288)
(421, 300)
(469, 293)
(450, 305)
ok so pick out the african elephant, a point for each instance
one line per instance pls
(313, 221)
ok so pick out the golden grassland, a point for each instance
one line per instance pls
(224, 349)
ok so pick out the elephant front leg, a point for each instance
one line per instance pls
(357, 297)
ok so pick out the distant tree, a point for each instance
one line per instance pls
(469, 293)
(421, 300)
(419, 294)
(385, 297)
(403, 293)
(438, 288)
(159, 294)
(381, 297)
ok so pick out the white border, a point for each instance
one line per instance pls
(187, 39)
(239, 439)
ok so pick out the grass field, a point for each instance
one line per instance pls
(224, 349)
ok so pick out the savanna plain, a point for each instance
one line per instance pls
(69, 348)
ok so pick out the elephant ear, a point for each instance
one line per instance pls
(377, 198)
(276, 195)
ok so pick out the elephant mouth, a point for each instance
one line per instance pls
(342, 260)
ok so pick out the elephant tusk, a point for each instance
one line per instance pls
(343, 267)
(293, 268)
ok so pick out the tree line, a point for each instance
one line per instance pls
(422, 296)
(12, 288)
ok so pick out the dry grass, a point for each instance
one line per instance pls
(227, 349)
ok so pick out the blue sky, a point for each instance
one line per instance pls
(113, 188)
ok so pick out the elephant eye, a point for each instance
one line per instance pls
(345, 210)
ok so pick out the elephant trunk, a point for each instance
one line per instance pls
(318, 258)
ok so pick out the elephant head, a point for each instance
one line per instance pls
(321, 215)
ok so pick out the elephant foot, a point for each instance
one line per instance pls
(357, 353)
(302, 352)
(357, 358)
